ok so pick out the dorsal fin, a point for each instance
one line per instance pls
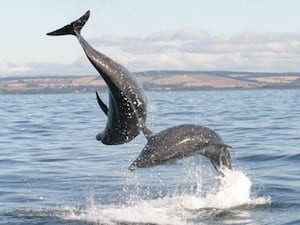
(219, 143)
(102, 104)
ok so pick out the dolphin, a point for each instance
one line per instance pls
(127, 102)
(183, 141)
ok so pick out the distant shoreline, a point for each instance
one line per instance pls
(153, 81)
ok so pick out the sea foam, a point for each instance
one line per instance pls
(233, 190)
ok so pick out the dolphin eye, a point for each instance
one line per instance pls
(153, 158)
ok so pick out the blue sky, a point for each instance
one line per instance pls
(237, 35)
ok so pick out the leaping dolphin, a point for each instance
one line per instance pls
(183, 141)
(127, 102)
(127, 116)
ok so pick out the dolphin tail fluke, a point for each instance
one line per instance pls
(72, 28)
(102, 104)
(220, 157)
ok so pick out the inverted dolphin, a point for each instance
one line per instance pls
(127, 102)
(183, 141)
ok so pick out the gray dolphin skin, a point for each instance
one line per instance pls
(127, 115)
(127, 102)
(184, 141)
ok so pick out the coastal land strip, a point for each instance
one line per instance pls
(152, 81)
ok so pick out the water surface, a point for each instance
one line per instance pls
(53, 171)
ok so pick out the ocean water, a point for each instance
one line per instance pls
(53, 171)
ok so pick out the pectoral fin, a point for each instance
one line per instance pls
(102, 104)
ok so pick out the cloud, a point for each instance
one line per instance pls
(78, 67)
(192, 40)
(180, 35)
(185, 49)
(9, 67)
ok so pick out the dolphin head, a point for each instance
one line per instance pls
(141, 162)
(148, 157)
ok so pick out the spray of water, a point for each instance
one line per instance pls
(233, 190)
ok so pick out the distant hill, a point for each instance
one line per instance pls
(153, 80)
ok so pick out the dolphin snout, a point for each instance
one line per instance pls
(99, 137)
(133, 166)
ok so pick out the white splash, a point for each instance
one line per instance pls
(234, 190)
(153, 212)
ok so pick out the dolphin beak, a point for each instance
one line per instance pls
(99, 137)
(133, 166)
